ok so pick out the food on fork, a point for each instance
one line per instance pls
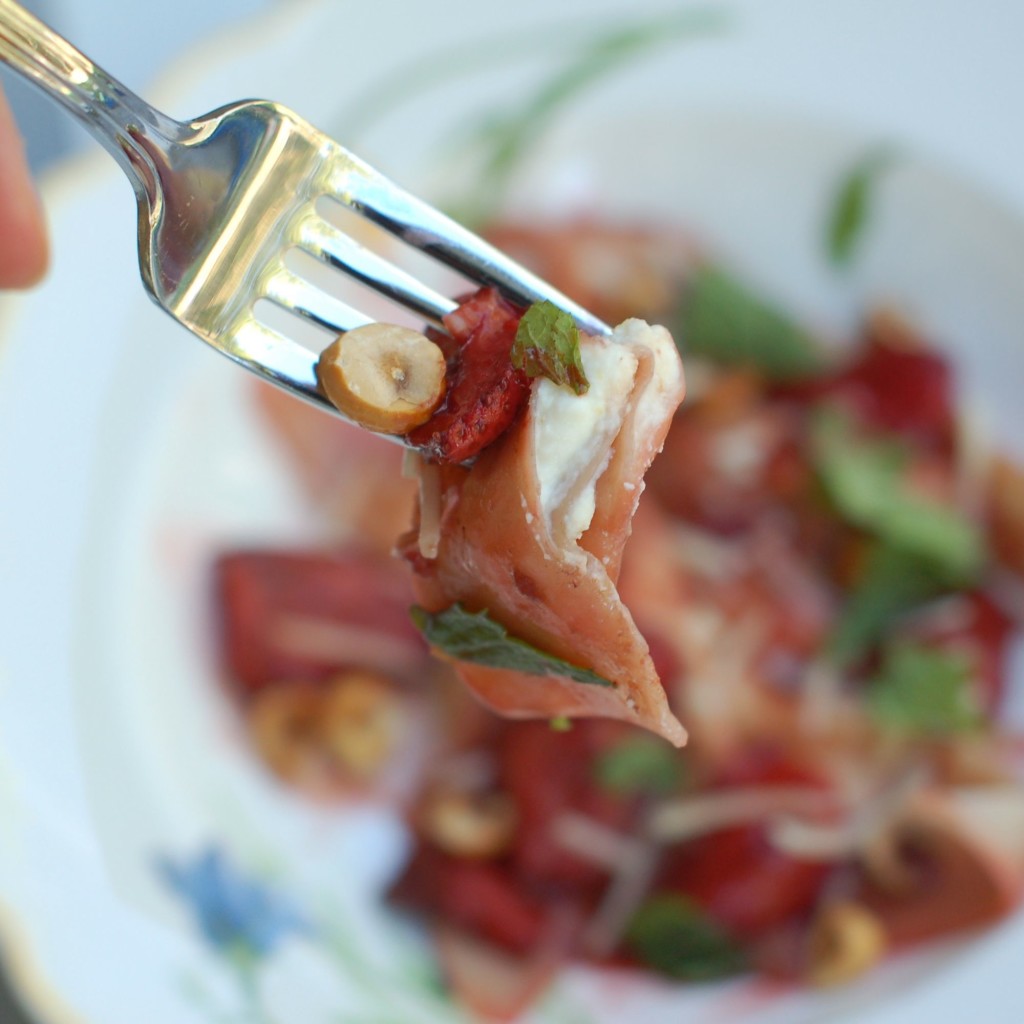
(532, 536)
(531, 468)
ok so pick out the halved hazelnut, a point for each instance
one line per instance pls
(362, 722)
(284, 724)
(846, 940)
(469, 824)
(384, 377)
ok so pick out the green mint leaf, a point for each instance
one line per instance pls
(863, 477)
(857, 474)
(676, 938)
(722, 320)
(506, 137)
(580, 52)
(924, 691)
(640, 764)
(851, 209)
(548, 345)
(476, 637)
(891, 583)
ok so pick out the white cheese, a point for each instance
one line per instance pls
(574, 433)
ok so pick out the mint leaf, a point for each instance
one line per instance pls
(476, 637)
(547, 344)
(891, 583)
(722, 320)
(676, 938)
(923, 690)
(640, 764)
(863, 477)
(506, 137)
(580, 52)
(851, 209)
(858, 474)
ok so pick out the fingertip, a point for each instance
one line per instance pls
(24, 248)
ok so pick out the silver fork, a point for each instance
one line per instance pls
(223, 199)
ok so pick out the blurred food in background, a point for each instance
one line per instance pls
(827, 567)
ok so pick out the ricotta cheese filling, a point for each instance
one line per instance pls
(574, 434)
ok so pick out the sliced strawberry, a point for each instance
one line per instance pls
(482, 898)
(737, 875)
(485, 391)
(549, 774)
(897, 383)
(743, 881)
(288, 616)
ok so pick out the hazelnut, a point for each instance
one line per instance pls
(846, 940)
(284, 722)
(384, 377)
(478, 825)
(362, 722)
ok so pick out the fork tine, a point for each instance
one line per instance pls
(276, 358)
(296, 295)
(371, 194)
(327, 243)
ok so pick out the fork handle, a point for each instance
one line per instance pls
(130, 129)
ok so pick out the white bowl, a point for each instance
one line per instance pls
(129, 455)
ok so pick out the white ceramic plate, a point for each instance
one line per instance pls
(129, 455)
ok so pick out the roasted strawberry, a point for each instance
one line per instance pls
(737, 875)
(485, 391)
(897, 383)
(484, 898)
(549, 774)
(287, 616)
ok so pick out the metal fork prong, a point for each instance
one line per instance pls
(327, 243)
(276, 358)
(420, 225)
(293, 293)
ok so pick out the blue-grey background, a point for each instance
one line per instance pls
(134, 42)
